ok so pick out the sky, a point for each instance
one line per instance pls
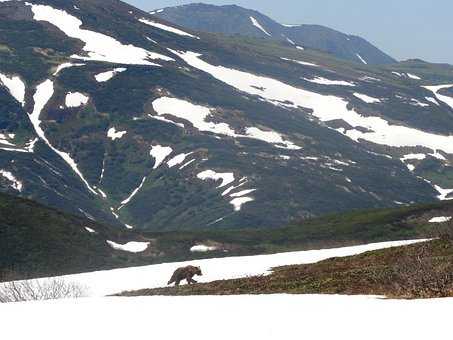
(404, 29)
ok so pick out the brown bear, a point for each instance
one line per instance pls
(185, 273)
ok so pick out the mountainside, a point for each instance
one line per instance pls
(113, 114)
(232, 20)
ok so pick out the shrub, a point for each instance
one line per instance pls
(420, 275)
(45, 289)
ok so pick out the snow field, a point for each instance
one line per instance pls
(265, 317)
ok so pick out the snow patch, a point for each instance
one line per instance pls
(440, 219)
(113, 134)
(106, 76)
(300, 62)
(443, 193)
(167, 28)
(258, 25)
(131, 196)
(92, 231)
(159, 153)
(15, 86)
(442, 98)
(64, 66)
(197, 115)
(226, 178)
(361, 59)
(187, 164)
(242, 193)
(413, 76)
(14, 182)
(367, 99)
(240, 201)
(99, 47)
(200, 248)
(271, 137)
(179, 159)
(325, 81)
(76, 99)
(131, 247)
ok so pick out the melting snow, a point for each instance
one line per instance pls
(200, 248)
(195, 114)
(418, 156)
(179, 159)
(413, 76)
(432, 100)
(15, 86)
(5, 139)
(240, 201)
(325, 81)
(159, 153)
(270, 137)
(136, 190)
(234, 187)
(325, 107)
(442, 98)
(63, 66)
(75, 99)
(300, 62)
(416, 102)
(443, 193)
(198, 115)
(187, 164)
(167, 28)
(367, 99)
(99, 47)
(290, 41)
(440, 219)
(131, 247)
(361, 59)
(44, 92)
(106, 76)
(113, 134)
(226, 178)
(15, 183)
(258, 25)
(242, 193)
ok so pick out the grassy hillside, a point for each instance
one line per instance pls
(39, 241)
(422, 270)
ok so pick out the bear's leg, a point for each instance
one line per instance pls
(177, 282)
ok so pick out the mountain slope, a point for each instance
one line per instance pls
(422, 270)
(235, 20)
(40, 241)
(118, 116)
